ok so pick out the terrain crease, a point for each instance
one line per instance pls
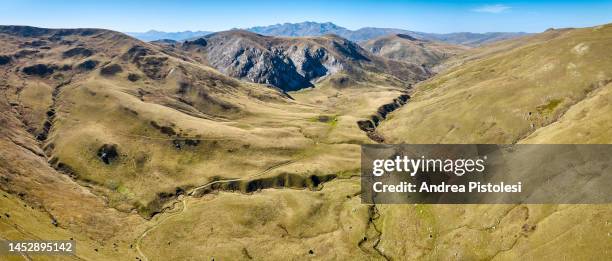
(192, 194)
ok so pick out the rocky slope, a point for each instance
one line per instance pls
(292, 63)
(402, 47)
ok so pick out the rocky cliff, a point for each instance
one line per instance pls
(291, 63)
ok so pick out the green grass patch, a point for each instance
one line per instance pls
(549, 107)
(331, 120)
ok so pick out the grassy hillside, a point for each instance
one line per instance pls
(105, 134)
(548, 88)
(506, 95)
(143, 124)
(405, 48)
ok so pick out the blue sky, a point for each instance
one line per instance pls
(427, 16)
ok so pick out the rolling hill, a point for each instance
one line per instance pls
(552, 87)
(406, 48)
(533, 82)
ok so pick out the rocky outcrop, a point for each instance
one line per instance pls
(88, 65)
(288, 63)
(41, 70)
(150, 62)
(5, 59)
(77, 51)
(111, 69)
(284, 180)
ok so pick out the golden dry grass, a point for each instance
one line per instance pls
(507, 95)
(248, 131)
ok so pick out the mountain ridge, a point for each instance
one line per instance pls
(154, 35)
(291, 63)
(363, 34)
(369, 33)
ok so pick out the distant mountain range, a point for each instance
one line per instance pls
(359, 35)
(369, 33)
(153, 35)
(317, 29)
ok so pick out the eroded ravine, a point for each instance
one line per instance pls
(48, 124)
(247, 185)
(369, 126)
(373, 237)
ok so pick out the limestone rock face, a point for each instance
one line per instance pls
(287, 63)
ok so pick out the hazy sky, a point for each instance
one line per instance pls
(426, 16)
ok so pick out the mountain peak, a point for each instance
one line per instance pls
(307, 28)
